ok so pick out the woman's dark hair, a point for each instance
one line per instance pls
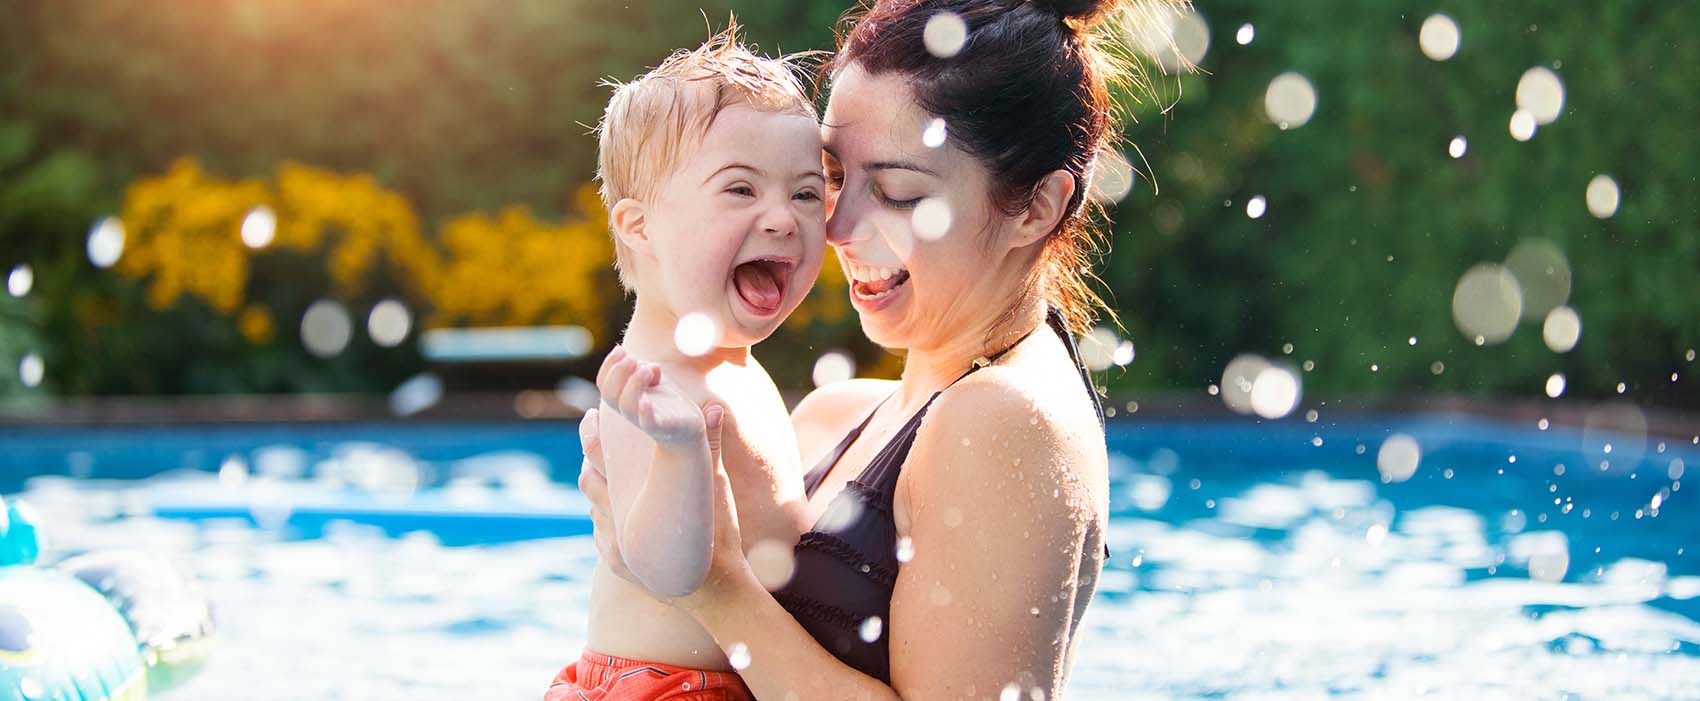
(1027, 94)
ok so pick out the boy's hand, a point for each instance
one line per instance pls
(639, 393)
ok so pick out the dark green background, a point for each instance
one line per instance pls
(475, 104)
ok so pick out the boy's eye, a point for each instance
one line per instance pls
(807, 196)
(742, 190)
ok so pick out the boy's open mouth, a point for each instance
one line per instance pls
(761, 283)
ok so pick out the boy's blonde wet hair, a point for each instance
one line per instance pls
(656, 121)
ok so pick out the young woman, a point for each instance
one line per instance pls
(958, 515)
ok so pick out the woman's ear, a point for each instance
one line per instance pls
(627, 220)
(1048, 209)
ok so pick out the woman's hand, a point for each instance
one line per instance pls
(593, 482)
(728, 564)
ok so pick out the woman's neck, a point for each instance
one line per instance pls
(929, 370)
(650, 338)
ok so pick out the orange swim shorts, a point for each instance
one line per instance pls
(596, 677)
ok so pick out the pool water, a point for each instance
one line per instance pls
(1249, 560)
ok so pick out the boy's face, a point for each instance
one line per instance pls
(737, 231)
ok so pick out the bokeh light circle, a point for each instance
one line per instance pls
(695, 334)
(1398, 458)
(1562, 329)
(259, 226)
(106, 242)
(1603, 196)
(1439, 37)
(1540, 92)
(325, 328)
(389, 323)
(945, 34)
(1487, 303)
(1290, 100)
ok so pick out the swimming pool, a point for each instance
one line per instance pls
(1251, 560)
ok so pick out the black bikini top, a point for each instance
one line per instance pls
(841, 588)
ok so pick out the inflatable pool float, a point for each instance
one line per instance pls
(102, 626)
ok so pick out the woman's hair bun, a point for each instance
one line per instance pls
(1083, 12)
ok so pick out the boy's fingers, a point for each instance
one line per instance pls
(631, 392)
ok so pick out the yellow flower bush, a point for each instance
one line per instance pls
(183, 237)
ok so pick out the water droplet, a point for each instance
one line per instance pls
(1542, 424)
(21, 280)
(106, 242)
(696, 334)
(1311, 416)
(931, 218)
(1437, 367)
(1317, 441)
(1275, 392)
(738, 655)
(905, 549)
(259, 226)
(1290, 100)
(1676, 469)
(1112, 177)
(1238, 381)
(1011, 692)
(325, 328)
(31, 369)
(1542, 273)
(1555, 385)
(1522, 125)
(833, 366)
(1245, 34)
(773, 563)
(1398, 458)
(944, 34)
(871, 629)
(1256, 206)
(1602, 196)
(389, 323)
(1487, 303)
(1457, 147)
(1376, 535)
(1540, 93)
(1621, 388)
(935, 133)
(1439, 37)
(1173, 37)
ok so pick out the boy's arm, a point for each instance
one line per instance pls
(660, 496)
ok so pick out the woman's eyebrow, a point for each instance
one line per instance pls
(902, 165)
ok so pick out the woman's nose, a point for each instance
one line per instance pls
(841, 222)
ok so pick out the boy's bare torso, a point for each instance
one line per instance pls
(759, 450)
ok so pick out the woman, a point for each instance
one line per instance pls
(959, 513)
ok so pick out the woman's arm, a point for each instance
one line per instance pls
(999, 513)
(965, 605)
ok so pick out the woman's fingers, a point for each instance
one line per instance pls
(590, 440)
(632, 393)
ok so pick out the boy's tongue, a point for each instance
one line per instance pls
(758, 285)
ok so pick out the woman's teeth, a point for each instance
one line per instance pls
(872, 273)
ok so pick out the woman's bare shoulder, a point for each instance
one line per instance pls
(832, 410)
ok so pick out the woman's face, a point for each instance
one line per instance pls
(911, 217)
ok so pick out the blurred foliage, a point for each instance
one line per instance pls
(383, 135)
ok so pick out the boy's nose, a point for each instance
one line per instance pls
(778, 221)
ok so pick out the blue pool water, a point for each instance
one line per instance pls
(1250, 560)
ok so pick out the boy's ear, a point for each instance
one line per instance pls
(627, 220)
(1049, 208)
